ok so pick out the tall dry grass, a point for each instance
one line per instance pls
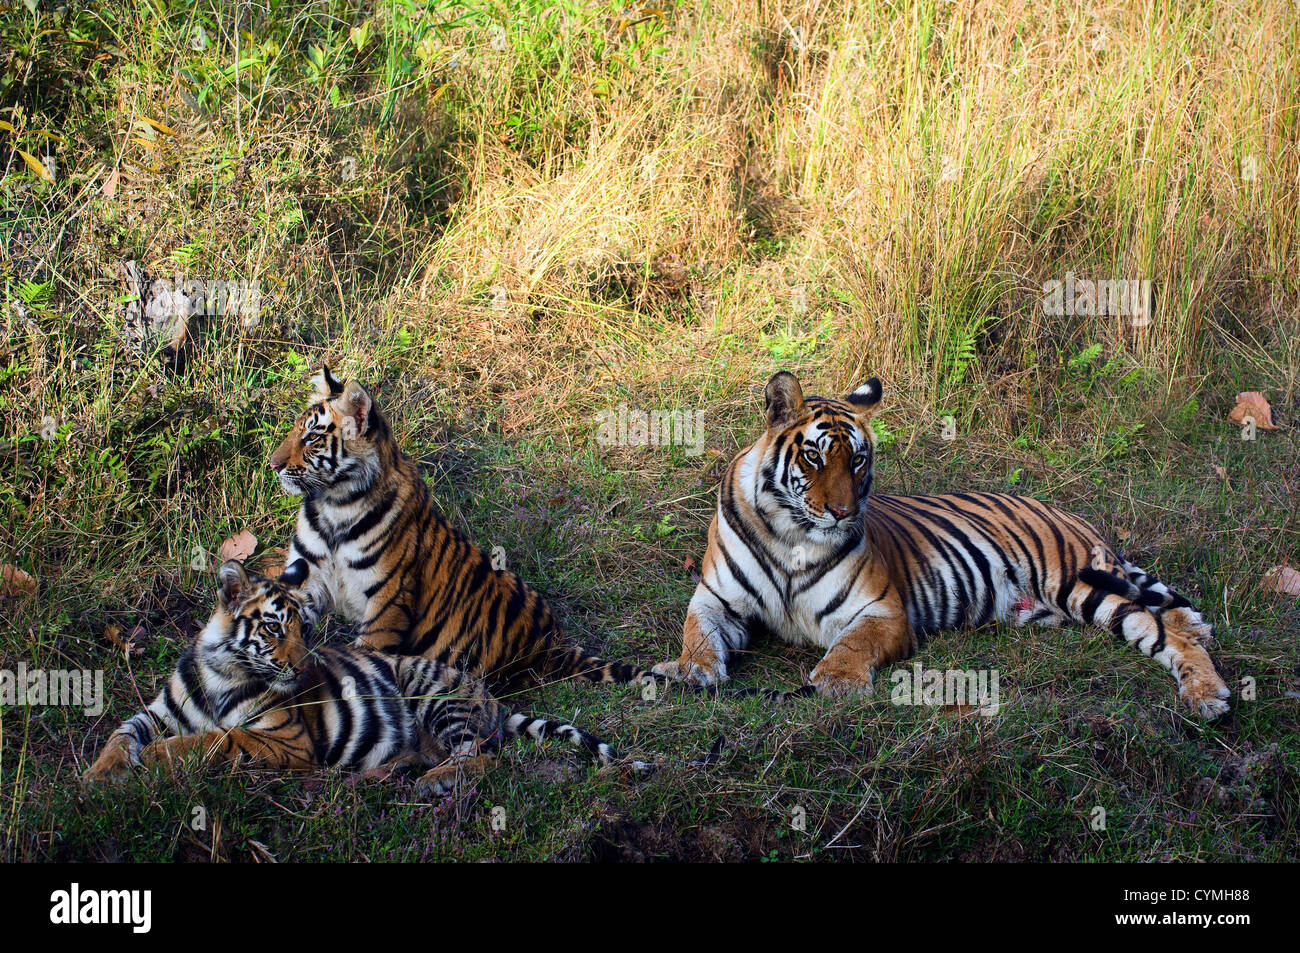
(916, 171)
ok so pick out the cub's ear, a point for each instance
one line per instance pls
(783, 400)
(866, 397)
(326, 384)
(355, 406)
(233, 581)
(295, 574)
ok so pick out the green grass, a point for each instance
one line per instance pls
(650, 213)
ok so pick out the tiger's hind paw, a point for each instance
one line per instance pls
(1206, 695)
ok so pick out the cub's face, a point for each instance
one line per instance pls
(257, 626)
(817, 466)
(329, 444)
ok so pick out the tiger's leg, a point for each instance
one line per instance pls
(868, 643)
(286, 750)
(456, 714)
(1167, 638)
(712, 633)
(124, 745)
(1173, 607)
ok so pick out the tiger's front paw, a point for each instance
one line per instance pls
(685, 670)
(1205, 694)
(447, 777)
(834, 679)
(113, 764)
(437, 783)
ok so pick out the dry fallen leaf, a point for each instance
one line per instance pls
(1282, 579)
(15, 582)
(109, 188)
(113, 632)
(240, 546)
(1252, 404)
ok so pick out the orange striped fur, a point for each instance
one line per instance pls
(801, 547)
(384, 558)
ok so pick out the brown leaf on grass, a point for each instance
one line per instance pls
(1282, 579)
(109, 188)
(1252, 404)
(240, 546)
(16, 582)
(113, 633)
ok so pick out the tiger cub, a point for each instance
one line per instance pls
(799, 545)
(384, 558)
(249, 689)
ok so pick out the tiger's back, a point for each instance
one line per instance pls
(965, 559)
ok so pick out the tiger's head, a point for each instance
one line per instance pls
(815, 469)
(335, 444)
(256, 632)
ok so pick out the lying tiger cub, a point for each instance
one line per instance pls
(248, 688)
(797, 546)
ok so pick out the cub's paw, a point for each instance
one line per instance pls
(1205, 694)
(437, 782)
(835, 681)
(445, 778)
(113, 764)
(688, 671)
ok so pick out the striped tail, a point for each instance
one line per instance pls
(576, 662)
(538, 728)
(1139, 587)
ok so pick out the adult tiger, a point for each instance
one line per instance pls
(797, 546)
(382, 555)
(248, 689)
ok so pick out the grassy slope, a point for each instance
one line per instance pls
(650, 213)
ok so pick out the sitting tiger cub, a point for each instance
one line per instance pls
(248, 688)
(384, 558)
(800, 546)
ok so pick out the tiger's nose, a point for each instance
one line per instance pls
(838, 513)
(276, 463)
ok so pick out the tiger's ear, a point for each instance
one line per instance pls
(295, 574)
(865, 399)
(326, 384)
(233, 581)
(355, 406)
(783, 400)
